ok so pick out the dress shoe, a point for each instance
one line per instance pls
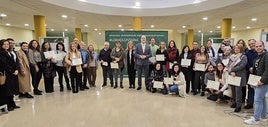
(21, 95)
(233, 105)
(121, 86)
(10, 108)
(104, 85)
(16, 107)
(154, 90)
(202, 94)
(194, 93)
(237, 109)
(86, 87)
(133, 87)
(139, 88)
(248, 107)
(61, 89)
(37, 93)
(130, 87)
(40, 91)
(27, 95)
(115, 86)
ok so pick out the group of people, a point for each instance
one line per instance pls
(164, 69)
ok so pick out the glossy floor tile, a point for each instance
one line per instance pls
(108, 107)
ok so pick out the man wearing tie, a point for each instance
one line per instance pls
(142, 54)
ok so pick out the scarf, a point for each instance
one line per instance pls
(235, 58)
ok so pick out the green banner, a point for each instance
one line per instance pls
(134, 36)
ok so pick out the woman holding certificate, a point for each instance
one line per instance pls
(35, 65)
(74, 61)
(158, 78)
(178, 81)
(173, 56)
(117, 65)
(93, 65)
(201, 61)
(237, 68)
(48, 67)
(130, 64)
(185, 59)
(162, 52)
(60, 68)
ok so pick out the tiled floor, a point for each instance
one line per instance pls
(108, 107)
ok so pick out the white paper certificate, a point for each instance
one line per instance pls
(114, 65)
(200, 67)
(170, 65)
(225, 61)
(160, 57)
(253, 79)
(186, 62)
(168, 81)
(105, 64)
(76, 61)
(49, 54)
(235, 81)
(152, 59)
(58, 57)
(158, 84)
(213, 84)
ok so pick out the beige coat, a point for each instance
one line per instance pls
(69, 60)
(24, 74)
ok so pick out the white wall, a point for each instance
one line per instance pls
(17, 34)
(248, 34)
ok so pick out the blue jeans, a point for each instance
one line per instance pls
(174, 88)
(260, 102)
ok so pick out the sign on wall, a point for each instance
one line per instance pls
(134, 36)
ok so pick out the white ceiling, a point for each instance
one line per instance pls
(20, 12)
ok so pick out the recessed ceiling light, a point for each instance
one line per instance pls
(86, 25)
(253, 19)
(218, 27)
(3, 15)
(120, 26)
(122, 29)
(248, 27)
(183, 26)
(233, 27)
(199, 31)
(65, 29)
(64, 16)
(196, 1)
(99, 33)
(211, 31)
(96, 29)
(152, 26)
(205, 18)
(82, 0)
(51, 29)
(8, 24)
(26, 24)
(131, 29)
(137, 4)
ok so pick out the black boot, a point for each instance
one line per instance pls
(115, 86)
(237, 109)
(121, 85)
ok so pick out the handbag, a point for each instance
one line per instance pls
(2, 78)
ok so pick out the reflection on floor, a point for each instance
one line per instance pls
(108, 107)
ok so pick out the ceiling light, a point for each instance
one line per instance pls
(131, 29)
(248, 27)
(137, 4)
(86, 25)
(51, 29)
(122, 29)
(64, 16)
(26, 24)
(253, 19)
(120, 26)
(96, 29)
(196, 1)
(3, 15)
(99, 33)
(152, 26)
(199, 31)
(82, 0)
(65, 29)
(233, 27)
(183, 26)
(8, 24)
(205, 18)
(211, 31)
(218, 27)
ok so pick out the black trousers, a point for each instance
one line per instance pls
(131, 76)
(62, 72)
(151, 68)
(199, 81)
(10, 101)
(85, 76)
(49, 84)
(76, 79)
(188, 78)
(105, 71)
(36, 77)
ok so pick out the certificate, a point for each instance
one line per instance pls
(49, 54)
(235, 81)
(105, 64)
(152, 60)
(200, 67)
(225, 61)
(114, 65)
(213, 84)
(58, 57)
(160, 57)
(168, 81)
(170, 65)
(158, 84)
(253, 79)
(186, 62)
(77, 61)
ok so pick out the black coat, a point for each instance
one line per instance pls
(187, 71)
(12, 84)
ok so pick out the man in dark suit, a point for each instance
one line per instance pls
(142, 54)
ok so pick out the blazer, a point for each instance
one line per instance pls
(240, 70)
(262, 69)
(147, 53)
(68, 59)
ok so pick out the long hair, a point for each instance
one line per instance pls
(184, 47)
(173, 42)
(218, 72)
(91, 52)
(173, 72)
(31, 45)
(63, 47)
(127, 48)
(43, 47)
(2, 41)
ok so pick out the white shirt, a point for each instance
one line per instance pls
(143, 47)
